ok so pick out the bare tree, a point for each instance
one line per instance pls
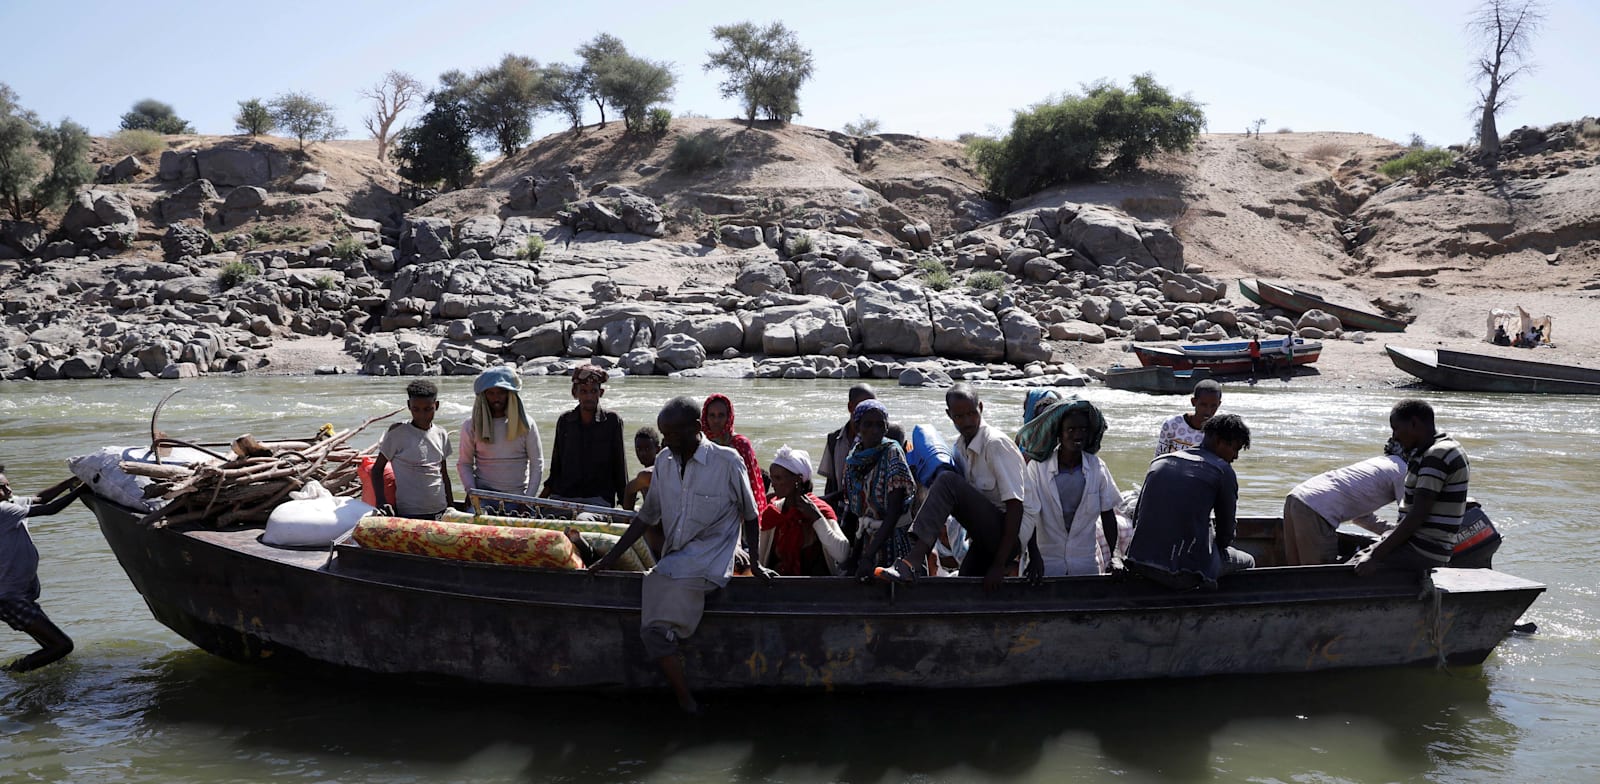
(391, 96)
(1505, 29)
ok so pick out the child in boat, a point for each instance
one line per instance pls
(1185, 431)
(417, 449)
(19, 570)
(646, 443)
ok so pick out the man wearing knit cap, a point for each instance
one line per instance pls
(587, 464)
(500, 446)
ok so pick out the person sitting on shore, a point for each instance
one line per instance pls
(417, 450)
(19, 570)
(716, 422)
(800, 534)
(700, 498)
(1066, 491)
(1185, 431)
(500, 447)
(878, 488)
(587, 465)
(1185, 519)
(1314, 508)
(646, 445)
(1500, 336)
(985, 497)
(1437, 475)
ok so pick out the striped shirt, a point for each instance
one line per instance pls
(1441, 467)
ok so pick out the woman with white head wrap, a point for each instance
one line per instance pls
(500, 447)
(800, 534)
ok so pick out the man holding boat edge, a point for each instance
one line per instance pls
(19, 570)
(701, 499)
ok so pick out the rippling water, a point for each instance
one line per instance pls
(137, 703)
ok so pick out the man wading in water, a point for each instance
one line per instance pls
(19, 570)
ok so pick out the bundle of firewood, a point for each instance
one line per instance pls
(243, 486)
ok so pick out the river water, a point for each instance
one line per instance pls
(137, 703)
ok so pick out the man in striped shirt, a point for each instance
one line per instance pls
(1435, 495)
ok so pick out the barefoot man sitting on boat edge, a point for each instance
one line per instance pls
(701, 499)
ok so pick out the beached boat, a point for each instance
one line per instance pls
(1155, 379)
(1467, 372)
(354, 610)
(1226, 357)
(1295, 301)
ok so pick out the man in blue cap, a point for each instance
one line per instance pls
(500, 447)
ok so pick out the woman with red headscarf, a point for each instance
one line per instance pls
(716, 422)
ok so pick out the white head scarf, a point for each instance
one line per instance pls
(795, 461)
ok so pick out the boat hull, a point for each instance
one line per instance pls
(1263, 293)
(1155, 380)
(1230, 358)
(1467, 372)
(391, 614)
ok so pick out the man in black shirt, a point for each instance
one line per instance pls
(587, 464)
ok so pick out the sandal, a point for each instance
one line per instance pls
(902, 572)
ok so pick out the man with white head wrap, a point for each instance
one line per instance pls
(500, 447)
(800, 534)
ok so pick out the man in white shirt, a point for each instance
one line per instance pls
(500, 446)
(701, 498)
(1314, 509)
(985, 497)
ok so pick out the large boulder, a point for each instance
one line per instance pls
(513, 237)
(84, 364)
(1107, 237)
(823, 278)
(638, 362)
(177, 166)
(23, 236)
(822, 322)
(230, 166)
(310, 182)
(1165, 247)
(637, 213)
(893, 319)
(680, 352)
(479, 233)
(741, 237)
(245, 197)
(426, 239)
(964, 329)
(98, 218)
(544, 197)
(1024, 337)
(759, 277)
(715, 332)
(183, 240)
(546, 340)
(188, 203)
(130, 167)
(1080, 331)
(1318, 319)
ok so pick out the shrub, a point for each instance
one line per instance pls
(660, 118)
(863, 126)
(253, 118)
(1417, 142)
(1104, 130)
(142, 142)
(532, 248)
(234, 273)
(327, 282)
(1589, 129)
(151, 114)
(347, 247)
(1326, 151)
(801, 244)
(934, 274)
(1285, 130)
(1422, 165)
(280, 234)
(987, 280)
(694, 153)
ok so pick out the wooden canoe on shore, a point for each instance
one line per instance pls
(1295, 301)
(351, 610)
(1155, 379)
(1467, 372)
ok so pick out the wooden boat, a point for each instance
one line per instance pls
(1295, 301)
(1467, 372)
(352, 610)
(1226, 357)
(1155, 379)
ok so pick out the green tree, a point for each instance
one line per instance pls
(438, 149)
(41, 166)
(501, 101)
(1106, 130)
(598, 49)
(153, 115)
(566, 91)
(253, 118)
(766, 67)
(632, 85)
(305, 117)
